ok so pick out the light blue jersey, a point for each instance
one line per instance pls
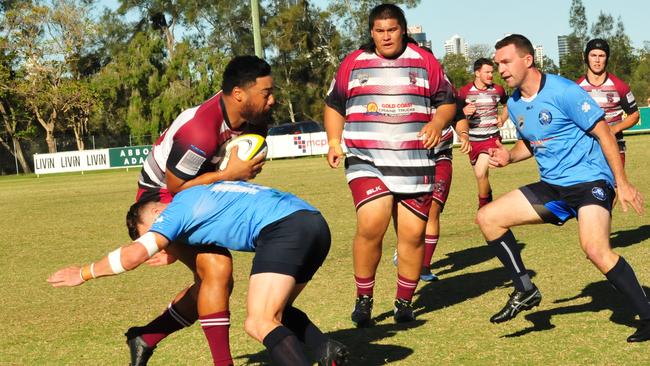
(227, 214)
(557, 122)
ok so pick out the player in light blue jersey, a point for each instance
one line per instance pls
(290, 239)
(579, 166)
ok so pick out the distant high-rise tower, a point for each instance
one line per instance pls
(419, 36)
(456, 45)
(539, 56)
(562, 47)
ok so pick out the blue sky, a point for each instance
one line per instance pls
(540, 21)
(487, 21)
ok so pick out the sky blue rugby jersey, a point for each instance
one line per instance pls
(227, 214)
(557, 122)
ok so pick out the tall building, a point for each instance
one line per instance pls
(562, 47)
(456, 45)
(539, 56)
(419, 36)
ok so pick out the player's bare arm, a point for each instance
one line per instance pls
(237, 169)
(500, 156)
(629, 121)
(462, 130)
(334, 123)
(503, 117)
(432, 131)
(122, 259)
(625, 191)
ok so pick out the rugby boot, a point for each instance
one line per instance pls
(519, 301)
(427, 276)
(403, 311)
(140, 351)
(362, 310)
(642, 334)
(334, 354)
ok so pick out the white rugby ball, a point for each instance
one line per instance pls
(249, 146)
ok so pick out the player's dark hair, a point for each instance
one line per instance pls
(521, 43)
(482, 61)
(243, 71)
(386, 11)
(133, 216)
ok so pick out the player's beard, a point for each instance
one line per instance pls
(256, 117)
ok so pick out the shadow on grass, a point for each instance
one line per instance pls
(448, 291)
(360, 343)
(603, 298)
(626, 238)
(457, 261)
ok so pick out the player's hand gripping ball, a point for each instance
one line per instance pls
(249, 146)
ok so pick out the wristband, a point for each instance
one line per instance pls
(92, 270)
(85, 272)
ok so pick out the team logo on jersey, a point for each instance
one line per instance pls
(372, 108)
(495, 98)
(545, 117)
(363, 78)
(520, 121)
(586, 107)
(610, 98)
(599, 193)
(440, 187)
(413, 78)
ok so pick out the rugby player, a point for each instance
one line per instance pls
(290, 239)
(611, 93)
(389, 101)
(560, 125)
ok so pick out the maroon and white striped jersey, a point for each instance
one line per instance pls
(386, 102)
(613, 96)
(483, 123)
(190, 146)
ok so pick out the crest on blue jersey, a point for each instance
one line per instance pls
(599, 193)
(545, 117)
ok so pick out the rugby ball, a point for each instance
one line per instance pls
(249, 146)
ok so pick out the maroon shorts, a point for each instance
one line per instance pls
(481, 147)
(442, 181)
(366, 189)
(150, 194)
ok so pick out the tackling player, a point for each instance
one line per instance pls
(290, 239)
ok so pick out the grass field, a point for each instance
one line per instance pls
(57, 220)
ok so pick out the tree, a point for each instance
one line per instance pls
(456, 68)
(476, 51)
(572, 64)
(640, 79)
(305, 47)
(548, 66)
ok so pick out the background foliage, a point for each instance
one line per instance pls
(69, 72)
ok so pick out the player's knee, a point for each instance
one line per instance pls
(597, 254)
(254, 327)
(483, 217)
(215, 268)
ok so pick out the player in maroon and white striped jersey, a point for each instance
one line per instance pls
(381, 103)
(186, 155)
(477, 113)
(611, 93)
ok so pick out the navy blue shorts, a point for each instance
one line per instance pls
(296, 245)
(557, 204)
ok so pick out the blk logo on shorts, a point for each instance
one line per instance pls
(599, 193)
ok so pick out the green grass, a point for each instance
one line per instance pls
(57, 220)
